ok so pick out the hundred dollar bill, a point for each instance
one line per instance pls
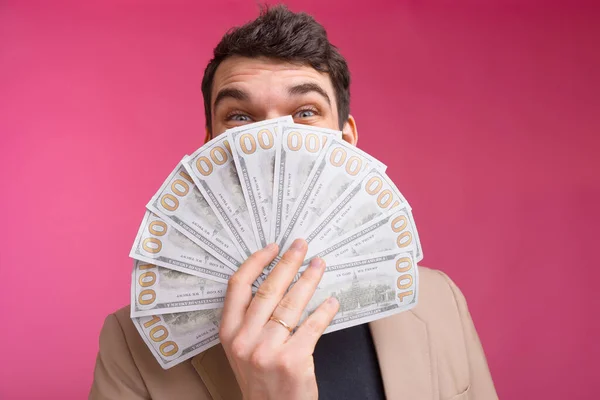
(174, 338)
(157, 290)
(213, 170)
(367, 198)
(159, 243)
(337, 167)
(253, 149)
(368, 288)
(180, 204)
(396, 231)
(299, 148)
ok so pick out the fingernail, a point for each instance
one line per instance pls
(297, 245)
(316, 263)
(332, 301)
(271, 246)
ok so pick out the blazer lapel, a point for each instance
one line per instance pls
(216, 373)
(405, 357)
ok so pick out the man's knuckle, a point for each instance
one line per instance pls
(238, 348)
(314, 326)
(234, 281)
(261, 360)
(266, 291)
(288, 304)
(287, 364)
(288, 261)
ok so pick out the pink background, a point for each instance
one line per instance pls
(487, 116)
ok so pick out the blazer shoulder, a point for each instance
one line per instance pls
(123, 315)
(439, 297)
(116, 329)
(120, 338)
(120, 323)
(435, 279)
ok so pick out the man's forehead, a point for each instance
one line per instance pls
(240, 70)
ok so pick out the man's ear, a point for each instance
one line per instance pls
(349, 131)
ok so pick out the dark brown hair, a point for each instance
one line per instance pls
(284, 35)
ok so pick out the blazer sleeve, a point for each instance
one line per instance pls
(481, 384)
(116, 376)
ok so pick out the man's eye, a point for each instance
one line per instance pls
(305, 114)
(238, 118)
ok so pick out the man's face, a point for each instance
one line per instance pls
(247, 90)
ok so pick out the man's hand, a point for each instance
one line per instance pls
(269, 362)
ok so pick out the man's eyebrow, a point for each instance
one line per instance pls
(307, 88)
(233, 93)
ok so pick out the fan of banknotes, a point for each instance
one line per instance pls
(272, 181)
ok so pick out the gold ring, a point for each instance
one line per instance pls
(282, 323)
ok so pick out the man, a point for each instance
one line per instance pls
(283, 64)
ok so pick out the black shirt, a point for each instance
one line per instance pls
(346, 365)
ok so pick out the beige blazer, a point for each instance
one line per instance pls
(430, 352)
